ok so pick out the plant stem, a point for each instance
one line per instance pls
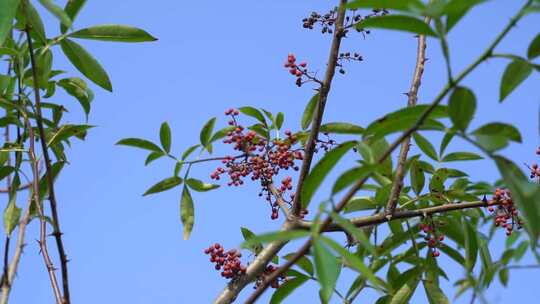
(339, 33)
(49, 175)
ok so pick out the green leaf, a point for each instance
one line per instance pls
(285, 235)
(341, 128)
(361, 203)
(503, 276)
(139, 143)
(351, 176)
(33, 18)
(12, 214)
(253, 112)
(200, 186)
(357, 233)
(499, 129)
(398, 5)
(397, 22)
(461, 156)
(471, 245)
(532, 52)
(86, 64)
(5, 171)
(461, 107)
(323, 167)
(303, 263)
(425, 146)
(164, 185)
(67, 131)
(8, 9)
(165, 137)
(327, 269)
(206, 132)
(78, 88)
(434, 293)
(187, 212)
(418, 178)
(248, 234)
(403, 295)
(222, 133)
(405, 118)
(189, 151)
(279, 120)
(514, 74)
(286, 289)
(72, 9)
(153, 156)
(307, 117)
(113, 32)
(520, 250)
(57, 11)
(456, 9)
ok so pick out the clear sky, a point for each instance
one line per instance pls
(211, 55)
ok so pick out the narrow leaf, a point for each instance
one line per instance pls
(461, 107)
(187, 212)
(200, 186)
(165, 137)
(425, 146)
(534, 48)
(323, 167)
(86, 64)
(206, 132)
(514, 74)
(57, 11)
(285, 235)
(327, 269)
(139, 143)
(287, 288)
(309, 110)
(164, 185)
(72, 9)
(397, 22)
(113, 32)
(461, 156)
(8, 9)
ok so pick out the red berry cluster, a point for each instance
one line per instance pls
(298, 70)
(227, 261)
(267, 271)
(433, 237)
(506, 215)
(260, 160)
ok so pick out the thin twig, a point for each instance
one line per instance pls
(339, 33)
(43, 224)
(49, 174)
(412, 98)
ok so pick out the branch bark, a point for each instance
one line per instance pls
(339, 33)
(412, 97)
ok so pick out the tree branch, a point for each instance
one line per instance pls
(43, 224)
(339, 33)
(412, 97)
(49, 175)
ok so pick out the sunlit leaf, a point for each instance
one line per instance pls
(86, 64)
(287, 288)
(307, 117)
(514, 74)
(164, 185)
(461, 107)
(139, 143)
(206, 132)
(397, 22)
(326, 268)
(187, 212)
(8, 9)
(165, 137)
(200, 186)
(113, 32)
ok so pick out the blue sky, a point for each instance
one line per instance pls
(212, 55)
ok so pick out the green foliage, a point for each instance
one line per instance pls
(164, 184)
(397, 22)
(461, 107)
(514, 74)
(307, 117)
(113, 32)
(187, 212)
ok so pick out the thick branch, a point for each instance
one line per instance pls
(411, 101)
(339, 33)
(305, 248)
(49, 175)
